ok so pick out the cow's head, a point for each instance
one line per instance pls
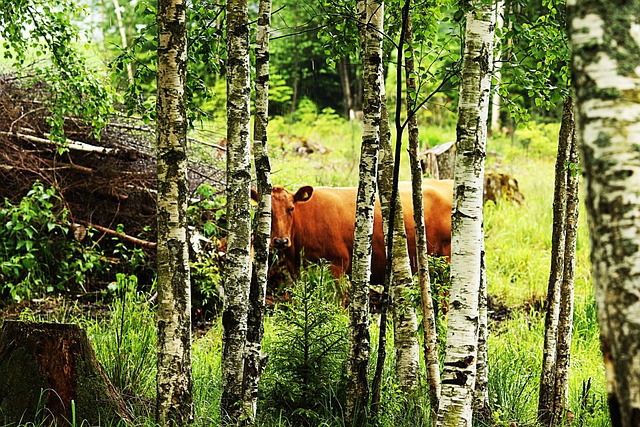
(283, 205)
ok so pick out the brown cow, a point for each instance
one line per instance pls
(320, 222)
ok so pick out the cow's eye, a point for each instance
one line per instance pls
(291, 209)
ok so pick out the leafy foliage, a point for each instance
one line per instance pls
(308, 354)
(207, 215)
(40, 37)
(534, 43)
(39, 254)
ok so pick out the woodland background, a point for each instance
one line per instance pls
(87, 217)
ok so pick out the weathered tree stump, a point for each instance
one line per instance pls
(439, 161)
(501, 186)
(44, 367)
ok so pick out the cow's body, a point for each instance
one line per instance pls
(321, 224)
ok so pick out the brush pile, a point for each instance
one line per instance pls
(106, 182)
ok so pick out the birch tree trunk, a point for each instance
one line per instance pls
(385, 163)
(430, 341)
(123, 38)
(565, 321)
(497, 75)
(238, 266)
(405, 322)
(558, 239)
(370, 12)
(256, 360)
(459, 374)
(174, 397)
(559, 319)
(481, 408)
(606, 57)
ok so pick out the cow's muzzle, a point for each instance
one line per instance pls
(281, 243)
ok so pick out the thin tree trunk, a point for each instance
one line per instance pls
(558, 238)
(174, 396)
(565, 323)
(430, 341)
(296, 62)
(405, 323)
(238, 267)
(605, 57)
(345, 83)
(359, 344)
(123, 38)
(385, 163)
(459, 374)
(256, 360)
(481, 407)
(497, 75)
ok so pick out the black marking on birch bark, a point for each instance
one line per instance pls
(459, 378)
(614, 410)
(464, 363)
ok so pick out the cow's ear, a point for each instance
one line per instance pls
(303, 194)
(254, 195)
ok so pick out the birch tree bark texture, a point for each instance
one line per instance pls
(559, 317)
(430, 341)
(558, 235)
(567, 289)
(606, 59)
(234, 408)
(371, 14)
(256, 360)
(405, 321)
(174, 396)
(459, 372)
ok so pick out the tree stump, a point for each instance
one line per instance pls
(439, 161)
(44, 367)
(501, 186)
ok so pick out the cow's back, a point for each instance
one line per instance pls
(437, 199)
(324, 226)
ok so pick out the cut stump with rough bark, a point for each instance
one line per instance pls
(44, 367)
(439, 161)
(499, 186)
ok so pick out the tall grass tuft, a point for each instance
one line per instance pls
(125, 344)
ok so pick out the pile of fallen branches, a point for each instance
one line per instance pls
(103, 182)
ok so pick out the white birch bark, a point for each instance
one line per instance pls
(605, 38)
(174, 397)
(459, 373)
(558, 238)
(123, 38)
(405, 321)
(430, 339)
(359, 341)
(385, 163)
(565, 320)
(497, 74)
(256, 360)
(481, 409)
(238, 264)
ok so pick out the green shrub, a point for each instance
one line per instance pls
(38, 253)
(307, 354)
(207, 216)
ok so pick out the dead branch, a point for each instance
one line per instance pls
(126, 237)
(72, 145)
